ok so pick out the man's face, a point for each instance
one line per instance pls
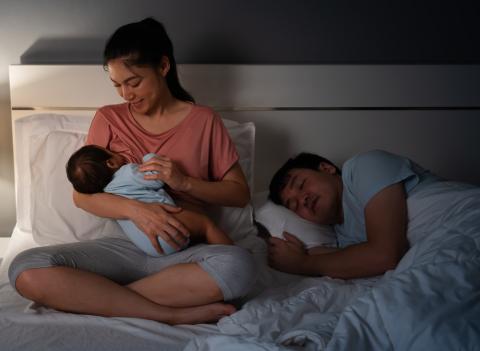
(315, 195)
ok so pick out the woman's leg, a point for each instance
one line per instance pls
(74, 290)
(199, 275)
(64, 277)
(181, 285)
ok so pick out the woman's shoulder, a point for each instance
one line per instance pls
(204, 111)
(115, 109)
(111, 115)
(203, 115)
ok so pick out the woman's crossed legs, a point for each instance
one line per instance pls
(111, 277)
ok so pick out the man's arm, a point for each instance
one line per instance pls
(386, 226)
(320, 250)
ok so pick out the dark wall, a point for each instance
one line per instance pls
(268, 31)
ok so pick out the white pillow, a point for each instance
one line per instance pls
(238, 222)
(26, 128)
(278, 219)
(53, 216)
(55, 219)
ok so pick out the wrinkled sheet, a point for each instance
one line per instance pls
(25, 326)
(431, 301)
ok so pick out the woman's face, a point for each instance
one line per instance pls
(142, 86)
(314, 195)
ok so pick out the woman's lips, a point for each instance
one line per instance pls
(137, 103)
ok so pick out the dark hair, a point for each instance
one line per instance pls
(302, 160)
(88, 171)
(145, 43)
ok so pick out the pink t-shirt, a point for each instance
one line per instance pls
(199, 144)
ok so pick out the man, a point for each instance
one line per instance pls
(366, 203)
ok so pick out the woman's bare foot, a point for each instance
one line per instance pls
(201, 314)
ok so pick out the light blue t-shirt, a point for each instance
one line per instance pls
(365, 175)
(129, 182)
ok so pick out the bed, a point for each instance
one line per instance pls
(430, 301)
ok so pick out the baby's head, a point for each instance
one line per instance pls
(91, 168)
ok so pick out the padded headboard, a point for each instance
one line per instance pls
(430, 113)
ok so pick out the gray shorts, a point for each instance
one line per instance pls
(119, 260)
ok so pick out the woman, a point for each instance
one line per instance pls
(199, 163)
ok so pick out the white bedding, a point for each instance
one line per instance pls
(27, 326)
(431, 301)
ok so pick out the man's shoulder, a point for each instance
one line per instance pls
(370, 155)
(368, 159)
(366, 163)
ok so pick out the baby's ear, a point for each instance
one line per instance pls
(327, 168)
(111, 163)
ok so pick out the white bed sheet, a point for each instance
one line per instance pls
(27, 326)
(430, 301)
(439, 273)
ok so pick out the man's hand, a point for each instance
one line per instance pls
(287, 255)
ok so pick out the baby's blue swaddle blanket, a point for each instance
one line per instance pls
(129, 182)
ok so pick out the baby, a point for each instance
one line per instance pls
(94, 169)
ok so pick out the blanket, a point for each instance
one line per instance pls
(431, 301)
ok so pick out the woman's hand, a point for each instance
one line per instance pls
(287, 255)
(155, 219)
(166, 171)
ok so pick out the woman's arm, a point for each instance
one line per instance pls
(154, 219)
(232, 190)
(386, 225)
(119, 207)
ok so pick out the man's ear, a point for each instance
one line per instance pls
(327, 168)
